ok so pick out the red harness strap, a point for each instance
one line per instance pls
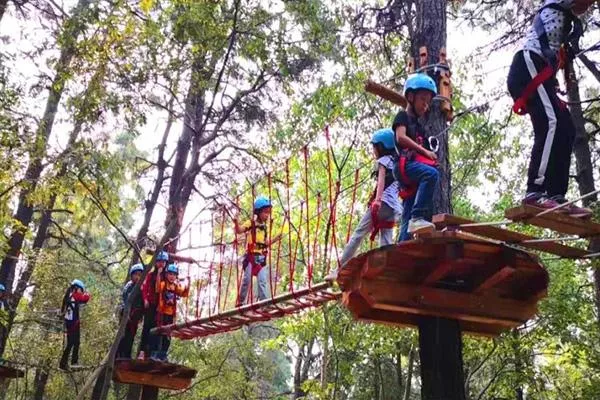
(378, 224)
(520, 106)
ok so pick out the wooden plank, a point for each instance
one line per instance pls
(494, 279)
(438, 272)
(505, 235)
(10, 372)
(445, 303)
(392, 318)
(160, 381)
(555, 221)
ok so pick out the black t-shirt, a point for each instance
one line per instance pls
(414, 130)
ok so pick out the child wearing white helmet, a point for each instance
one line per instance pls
(385, 207)
(417, 163)
(136, 313)
(74, 298)
(550, 44)
(257, 248)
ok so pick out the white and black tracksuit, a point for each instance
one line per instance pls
(552, 124)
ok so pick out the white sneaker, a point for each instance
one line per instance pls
(419, 225)
(332, 275)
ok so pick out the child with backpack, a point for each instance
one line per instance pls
(136, 313)
(74, 298)
(257, 248)
(150, 288)
(169, 291)
(384, 207)
(417, 162)
(550, 44)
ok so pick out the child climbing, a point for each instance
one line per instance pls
(385, 207)
(257, 248)
(150, 288)
(135, 315)
(552, 39)
(169, 290)
(75, 296)
(417, 172)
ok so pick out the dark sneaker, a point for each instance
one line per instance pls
(572, 209)
(540, 200)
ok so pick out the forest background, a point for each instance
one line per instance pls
(119, 117)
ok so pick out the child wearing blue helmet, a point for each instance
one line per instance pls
(384, 207)
(135, 315)
(150, 289)
(75, 297)
(169, 291)
(417, 162)
(257, 248)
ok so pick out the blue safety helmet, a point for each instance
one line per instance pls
(2, 288)
(136, 268)
(385, 137)
(416, 82)
(260, 203)
(173, 268)
(162, 256)
(78, 283)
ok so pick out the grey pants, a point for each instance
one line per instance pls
(262, 284)
(386, 236)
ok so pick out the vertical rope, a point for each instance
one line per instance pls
(295, 254)
(221, 255)
(187, 299)
(355, 187)
(309, 268)
(270, 250)
(315, 242)
(288, 216)
(332, 201)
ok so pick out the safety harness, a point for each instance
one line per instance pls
(409, 188)
(572, 31)
(377, 223)
(256, 253)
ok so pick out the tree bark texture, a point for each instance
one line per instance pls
(440, 341)
(584, 168)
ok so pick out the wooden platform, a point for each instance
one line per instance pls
(555, 221)
(451, 222)
(158, 374)
(488, 287)
(7, 371)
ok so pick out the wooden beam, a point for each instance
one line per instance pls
(445, 220)
(447, 303)
(386, 93)
(494, 279)
(438, 272)
(555, 221)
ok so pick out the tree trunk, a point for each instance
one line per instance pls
(24, 213)
(39, 383)
(584, 167)
(409, 373)
(440, 341)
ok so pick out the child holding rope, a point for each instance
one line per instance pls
(74, 298)
(550, 45)
(384, 207)
(169, 291)
(257, 247)
(417, 162)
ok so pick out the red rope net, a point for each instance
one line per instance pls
(303, 228)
